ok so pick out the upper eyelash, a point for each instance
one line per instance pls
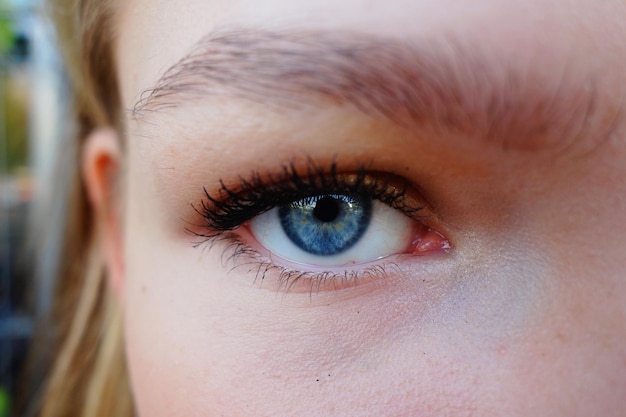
(230, 208)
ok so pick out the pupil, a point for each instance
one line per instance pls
(327, 209)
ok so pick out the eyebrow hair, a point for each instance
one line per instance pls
(450, 85)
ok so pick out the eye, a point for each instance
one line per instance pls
(336, 230)
(303, 222)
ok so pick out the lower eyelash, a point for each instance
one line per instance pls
(238, 255)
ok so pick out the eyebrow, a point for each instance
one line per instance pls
(451, 86)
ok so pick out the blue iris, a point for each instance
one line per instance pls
(326, 224)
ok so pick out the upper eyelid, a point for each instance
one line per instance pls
(256, 195)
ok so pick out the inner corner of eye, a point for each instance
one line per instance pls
(427, 241)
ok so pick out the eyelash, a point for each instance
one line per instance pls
(230, 208)
(286, 279)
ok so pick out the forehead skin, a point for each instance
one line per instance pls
(536, 329)
(516, 30)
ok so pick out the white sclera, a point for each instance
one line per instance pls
(388, 233)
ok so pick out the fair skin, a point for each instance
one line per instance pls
(522, 316)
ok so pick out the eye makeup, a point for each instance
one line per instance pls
(293, 225)
(231, 206)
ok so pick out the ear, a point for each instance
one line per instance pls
(101, 167)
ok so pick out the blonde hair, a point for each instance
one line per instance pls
(88, 375)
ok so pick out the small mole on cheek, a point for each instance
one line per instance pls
(501, 350)
(318, 379)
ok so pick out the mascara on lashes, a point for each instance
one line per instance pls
(231, 207)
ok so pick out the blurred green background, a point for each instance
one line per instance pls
(14, 89)
(30, 82)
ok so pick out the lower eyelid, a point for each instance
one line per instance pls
(242, 254)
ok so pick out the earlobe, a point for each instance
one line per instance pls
(101, 167)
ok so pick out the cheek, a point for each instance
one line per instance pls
(577, 358)
(198, 348)
(202, 341)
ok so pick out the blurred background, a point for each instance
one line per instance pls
(31, 104)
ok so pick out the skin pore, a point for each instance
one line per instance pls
(505, 120)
